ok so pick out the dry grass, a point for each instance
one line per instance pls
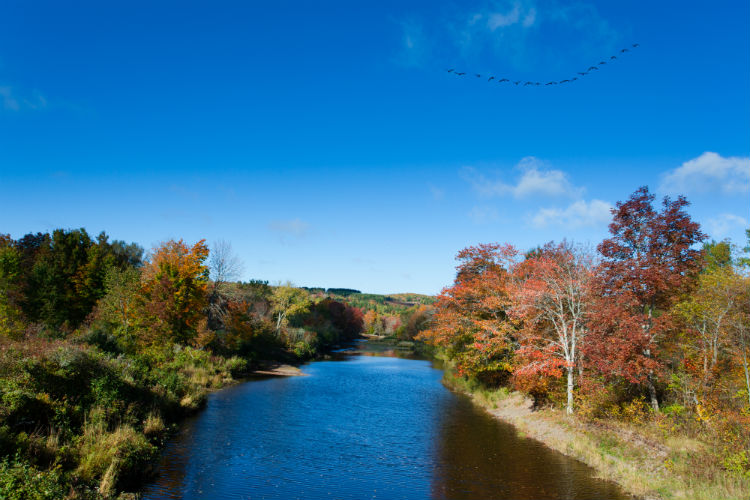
(110, 454)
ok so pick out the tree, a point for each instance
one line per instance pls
(717, 254)
(707, 312)
(470, 318)
(10, 271)
(172, 296)
(551, 300)
(288, 301)
(223, 264)
(118, 306)
(744, 261)
(740, 327)
(646, 264)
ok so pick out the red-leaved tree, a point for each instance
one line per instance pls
(649, 260)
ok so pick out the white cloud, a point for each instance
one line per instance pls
(497, 20)
(535, 179)
(720, 227)
(577, 214)
(710, 172)
(293, 227)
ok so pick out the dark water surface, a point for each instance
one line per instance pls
(361, 427)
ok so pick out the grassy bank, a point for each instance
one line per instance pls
(646, 458)
(78, 422)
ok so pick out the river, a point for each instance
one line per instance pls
(362, 426)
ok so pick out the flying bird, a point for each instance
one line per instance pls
(602, 62)
(516, 83)
(574, 79)
(636, 45)
(584, 73)
(528, 83)
(449, 70)
(490, 78)
(613, 57)
(503, 80)
(624, 50)
(478, 75)
(564, 81)
(460, 74)
(592, 67)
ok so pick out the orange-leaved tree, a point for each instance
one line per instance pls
(551, 301)
(172, 297)
(471, 316)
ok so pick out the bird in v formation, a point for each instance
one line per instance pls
(573, 79)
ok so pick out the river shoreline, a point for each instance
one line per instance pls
(643, 465)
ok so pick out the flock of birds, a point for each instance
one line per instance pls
(581, 74)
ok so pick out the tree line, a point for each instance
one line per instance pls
(656, 321)
(103, 347)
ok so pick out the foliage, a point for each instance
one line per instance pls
(287, 302)
(660, 318)
(552, 303)
(471, 319)
(172, 295)
(646, 264)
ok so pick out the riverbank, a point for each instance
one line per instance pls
(647, 460)
(77, 422)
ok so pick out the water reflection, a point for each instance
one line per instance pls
(372, 426)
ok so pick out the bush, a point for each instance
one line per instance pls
(21, 481)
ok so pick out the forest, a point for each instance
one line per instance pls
(103, 350)
(649, 332)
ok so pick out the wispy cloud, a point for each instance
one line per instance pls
(709, 173)
(721, 226)
(509, 34)
(13, 100)
(535, 179)
(436, 192)
(483, 214)
(290, 229)
(414, 44)
(577, 214)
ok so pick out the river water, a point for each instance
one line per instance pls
(363, 426)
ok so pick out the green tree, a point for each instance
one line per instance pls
(288, 301)
(10, 271)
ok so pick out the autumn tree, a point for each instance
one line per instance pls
(552, 303)
(471, 316)
(172, 296)
(647, 263)
(707, 313)
(739, 327)
(287, 301)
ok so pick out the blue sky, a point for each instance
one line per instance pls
(328, 144)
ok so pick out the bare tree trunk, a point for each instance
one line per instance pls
(652, 393)
(569, 408)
